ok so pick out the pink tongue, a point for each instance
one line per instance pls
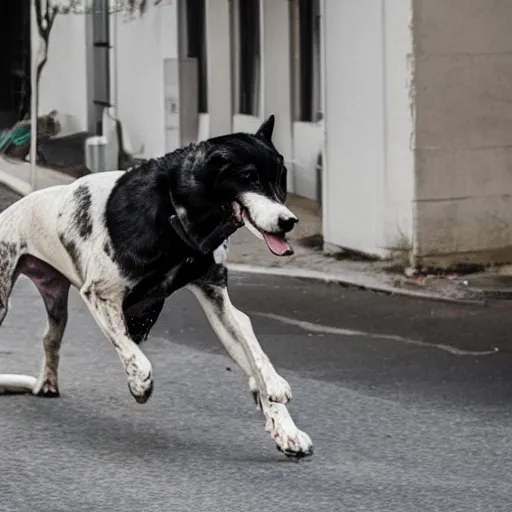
(277, 245)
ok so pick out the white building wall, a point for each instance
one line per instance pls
(307, 140)
(369, 173)
(276, 75)
(399, 125)
(63, 83)
(142, 45)
(219, 119)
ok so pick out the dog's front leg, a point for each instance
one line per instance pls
(235, 331)
(107, 310)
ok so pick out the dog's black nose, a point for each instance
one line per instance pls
(286, 224)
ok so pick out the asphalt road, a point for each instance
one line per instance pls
(408, 405)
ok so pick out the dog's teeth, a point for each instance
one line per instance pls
(237, 210)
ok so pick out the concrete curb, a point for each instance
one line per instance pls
(16, 176)
(354, 279)
(15, 184)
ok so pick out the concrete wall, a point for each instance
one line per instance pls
(464, 129)
(63, 84)
(369, 179)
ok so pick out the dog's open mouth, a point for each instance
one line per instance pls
(276, 242)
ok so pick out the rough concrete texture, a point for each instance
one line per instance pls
(463, 72)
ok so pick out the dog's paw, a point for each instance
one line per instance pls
(277, 389)
(140, 380)
(289, 439)
(47, 387)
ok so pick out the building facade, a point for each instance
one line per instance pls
(406, 100)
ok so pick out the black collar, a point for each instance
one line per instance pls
(179, 229)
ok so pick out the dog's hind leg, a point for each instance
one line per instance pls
(9, 254)
(54, 290)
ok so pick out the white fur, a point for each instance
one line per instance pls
(265, 212)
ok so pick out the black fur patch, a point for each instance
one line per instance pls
(73, 252)
(107, 249)
(195, 186)
(139, 325)
(82, 218)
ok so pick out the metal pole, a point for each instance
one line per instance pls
(34, 45)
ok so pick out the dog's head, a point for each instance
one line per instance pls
(232, 181)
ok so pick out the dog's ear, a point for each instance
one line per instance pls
(266, 130)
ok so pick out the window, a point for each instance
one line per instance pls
(196, 47)
(101, 48)
(306, 60)
(246, 56)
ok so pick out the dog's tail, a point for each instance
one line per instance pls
(16, 383)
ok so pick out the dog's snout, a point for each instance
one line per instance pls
(286, 224)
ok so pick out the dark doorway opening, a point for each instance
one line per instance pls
(14, 61)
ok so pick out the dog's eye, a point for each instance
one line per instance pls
(247, 175)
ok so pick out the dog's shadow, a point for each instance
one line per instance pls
(79, 425)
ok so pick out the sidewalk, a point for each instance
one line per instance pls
(15, 174)
(250, 254)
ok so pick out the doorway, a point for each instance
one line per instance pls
(14, 62)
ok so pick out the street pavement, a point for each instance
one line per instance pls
(407, 402)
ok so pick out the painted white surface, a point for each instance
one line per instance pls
(307, 144)
(63, 83)
(354, 119)
(204, 127)
(245, 123)
(218, 55)
(399, 124)
(364, 117)
(276, 73)
(141, 46)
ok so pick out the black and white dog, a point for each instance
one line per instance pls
(127, 240)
